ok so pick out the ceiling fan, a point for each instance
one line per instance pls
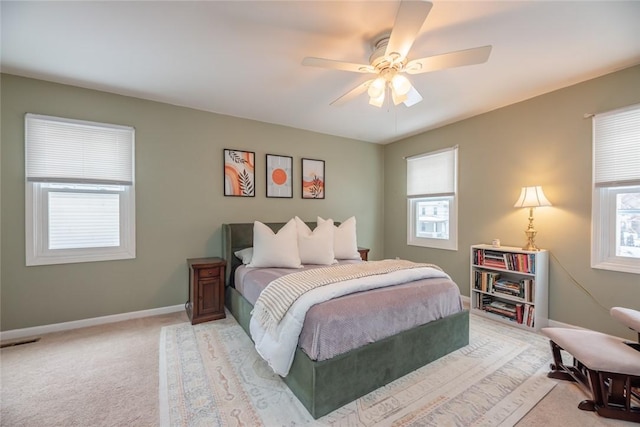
(389, 60)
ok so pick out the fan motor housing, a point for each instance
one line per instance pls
(380, 61)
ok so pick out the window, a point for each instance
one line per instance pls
(616, 190)
(80, 195)
(431, 199)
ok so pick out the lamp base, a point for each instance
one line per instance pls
(531, 245)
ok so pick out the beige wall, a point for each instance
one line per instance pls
(542, 141)
(179, 198)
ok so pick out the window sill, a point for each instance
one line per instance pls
(617, 266)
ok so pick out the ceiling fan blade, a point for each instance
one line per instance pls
(338, 65)
(476, 55)
(413, 97)
(353, 93)
(409, 19)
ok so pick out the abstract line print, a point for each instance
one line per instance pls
(279, 176)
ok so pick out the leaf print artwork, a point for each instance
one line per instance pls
(313, 181)
(236, 157)
(239, 174)
(316, 187)
(246, 184)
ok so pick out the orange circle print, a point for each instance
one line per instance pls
(279, 176)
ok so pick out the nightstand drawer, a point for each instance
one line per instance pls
(208, 272)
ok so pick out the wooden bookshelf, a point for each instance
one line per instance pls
(510, 285)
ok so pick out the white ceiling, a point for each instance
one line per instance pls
(243, 58)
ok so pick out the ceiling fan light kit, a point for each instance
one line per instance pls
(389, 60)
(400, 84)
(377, 87)
(391, 81)
(377, 101)
(397, 98)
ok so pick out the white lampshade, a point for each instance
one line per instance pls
(397, 99)
(400, 84)
(376, 88)
(378, 101)
(532, 197)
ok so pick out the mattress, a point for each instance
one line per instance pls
(352, 321)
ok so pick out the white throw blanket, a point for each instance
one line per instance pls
(279, 295)
(278, 347)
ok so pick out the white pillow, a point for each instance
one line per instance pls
(316, 247)
(345, 241)
(275, 250)
(245, 255)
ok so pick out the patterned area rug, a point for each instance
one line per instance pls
(210, 375)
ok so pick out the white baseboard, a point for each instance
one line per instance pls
(65, 326)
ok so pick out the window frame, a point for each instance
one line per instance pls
(429, 242)
(604, 232)
(412, 200)
(37, 250)
(616, 179)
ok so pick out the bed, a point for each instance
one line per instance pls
(325, 385)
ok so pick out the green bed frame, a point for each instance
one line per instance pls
(323, 386)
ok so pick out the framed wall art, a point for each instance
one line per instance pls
(239, 173)
(313, 180)
(279, 176)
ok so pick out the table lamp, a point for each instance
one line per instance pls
(531, 197)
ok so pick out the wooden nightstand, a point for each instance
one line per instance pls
(364, 253)
(206, 289)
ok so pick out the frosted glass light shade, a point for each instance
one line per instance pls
(400, 84)
(378, 101)
(397, 99)
(376, 88)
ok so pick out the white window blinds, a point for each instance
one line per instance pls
(64, 150)
(432, 174)
(83, 220)
(616, 148)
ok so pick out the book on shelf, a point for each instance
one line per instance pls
(508, 287)
(482, 300)
(502, 308)
(478, 258)
(530, 316)
(517, 312)
(494, 259)
(524, 263)
(498, 311)
(523, 289)
(484, 280)
(528, 289)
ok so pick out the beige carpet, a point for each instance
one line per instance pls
(97, 376)
(108, 376)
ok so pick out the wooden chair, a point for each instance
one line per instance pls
(606, 367)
